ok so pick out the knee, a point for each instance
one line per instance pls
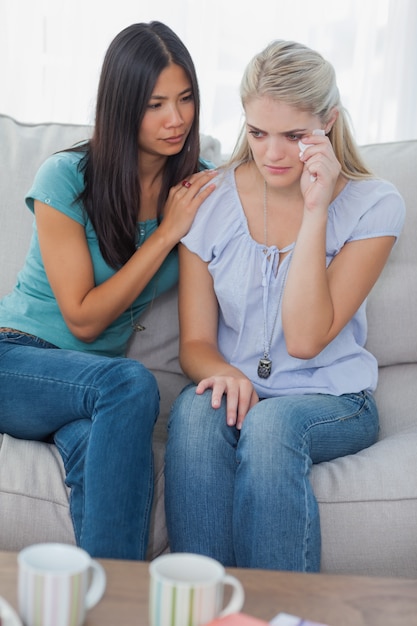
(193, 423)
(132, 390)
(266, 430)
(184, 415)
(135, 377)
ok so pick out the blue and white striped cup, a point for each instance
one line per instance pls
(187, 590)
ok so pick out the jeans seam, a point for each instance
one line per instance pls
(337, 419)
(308, 521)
(6, 372)
(148, 507)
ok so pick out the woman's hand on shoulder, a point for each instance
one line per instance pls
(183, 203)
(239, 391)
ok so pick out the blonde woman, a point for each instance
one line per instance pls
(274, 275)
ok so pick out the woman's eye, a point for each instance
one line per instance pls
(256, 133)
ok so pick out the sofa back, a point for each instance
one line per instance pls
(23, 147)
(392, 305)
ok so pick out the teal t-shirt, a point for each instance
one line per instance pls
(31, 306)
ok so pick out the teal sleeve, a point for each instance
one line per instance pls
(58, 183)
(203, 164)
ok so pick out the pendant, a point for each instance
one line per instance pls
(264, 368)
(138, 327)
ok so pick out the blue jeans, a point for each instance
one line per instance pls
(100, 412)
(244, 497)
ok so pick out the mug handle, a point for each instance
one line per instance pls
(97, 585)
(238, 596)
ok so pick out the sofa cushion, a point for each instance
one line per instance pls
(391, 307)
(161, 357)
(32, 493)
(365, 497)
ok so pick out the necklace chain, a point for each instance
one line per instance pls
(265, 362)
(137, 327)
(265, 219)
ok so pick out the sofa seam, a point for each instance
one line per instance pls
(363, 501)
(31, 497)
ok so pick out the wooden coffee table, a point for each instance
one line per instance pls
(335, 600)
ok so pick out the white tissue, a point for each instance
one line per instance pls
(303, 147)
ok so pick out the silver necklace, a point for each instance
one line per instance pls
(137, 328)
(135, 325)
(265, 362)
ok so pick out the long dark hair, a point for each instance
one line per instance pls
(111, 197)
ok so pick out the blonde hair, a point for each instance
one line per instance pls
(299, 76)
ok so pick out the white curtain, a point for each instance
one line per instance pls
(51, 53)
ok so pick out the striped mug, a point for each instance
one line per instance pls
(57, 583)
(187, 590)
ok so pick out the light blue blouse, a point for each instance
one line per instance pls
(246, 285)
(32, 307)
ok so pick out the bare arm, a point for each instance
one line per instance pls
(88, 309)
(318, 301)
(199, 354)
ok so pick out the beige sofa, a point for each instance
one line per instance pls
(368, 502)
